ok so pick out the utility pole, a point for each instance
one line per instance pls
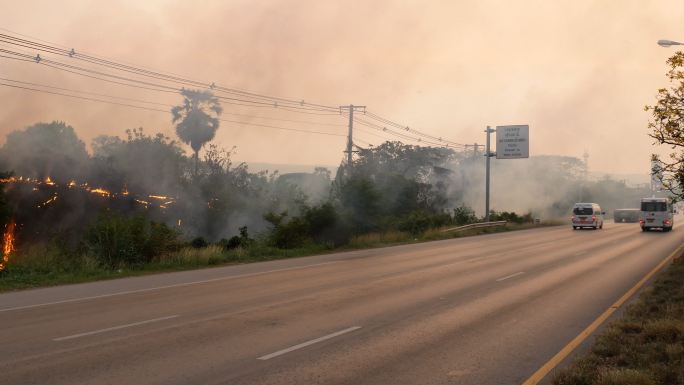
(350, 141)
(476, 148)
(585, 171)
(488, 154)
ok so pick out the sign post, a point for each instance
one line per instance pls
(488, 154)
(512, 142)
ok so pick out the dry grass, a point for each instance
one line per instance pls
(645, 346)
(210, 255)
(388, 237)
(45, 258)
(397, 237)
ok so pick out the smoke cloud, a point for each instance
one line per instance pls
(578, 72)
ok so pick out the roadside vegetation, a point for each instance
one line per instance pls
(645, 346)
(140, 203)
(49, 264)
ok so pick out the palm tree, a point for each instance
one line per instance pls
(197, 119)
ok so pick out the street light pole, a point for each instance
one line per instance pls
(668, 43)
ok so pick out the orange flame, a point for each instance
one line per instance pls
(47, 202)
(160, 197)
(7, 244)
(100, 191)
(160, 201)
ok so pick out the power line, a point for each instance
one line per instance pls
(357, 139)
(246, 98)
(166, 104)
(285, 120)
(8, 39)
(408, 129)
(388, 131)
(404, 136)
(153, 86)
(283, 128)
(168, 89)
(85, 92)
(14, 58)
(165, 111)
(68, 48)
(83, 97)
(372, 133)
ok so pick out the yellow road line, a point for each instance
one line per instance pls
(560, 356)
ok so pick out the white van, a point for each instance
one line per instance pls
(587, 215)
(656, 213)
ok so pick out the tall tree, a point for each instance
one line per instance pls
(197, 119)
(667, 125)
(45, 150)
(118, 163)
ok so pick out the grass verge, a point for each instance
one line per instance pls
(645, 346)
(43, 265)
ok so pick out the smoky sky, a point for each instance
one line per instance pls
(578, 72)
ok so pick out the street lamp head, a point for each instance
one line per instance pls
(667, 43)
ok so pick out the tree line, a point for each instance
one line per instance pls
(134, 198)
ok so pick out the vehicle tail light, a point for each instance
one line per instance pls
(666, 222)
(593, 218)
(572, 218)
(641, 221)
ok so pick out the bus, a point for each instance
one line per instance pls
(656, 213)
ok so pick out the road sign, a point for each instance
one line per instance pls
(512, 142)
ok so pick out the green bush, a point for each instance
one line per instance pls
(510, 217)
(464, 215)
(287, 234)
(320, 224)
(229, 244)
(116, 240)
(325, 226)
(361, 202)
(199, 243)
(416, 223)
(243, 240)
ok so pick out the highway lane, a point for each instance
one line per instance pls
(480, 310)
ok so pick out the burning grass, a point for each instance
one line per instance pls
(48, 184)
(644, 346)
(7, 244)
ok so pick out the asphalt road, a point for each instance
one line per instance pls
(481, 310)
